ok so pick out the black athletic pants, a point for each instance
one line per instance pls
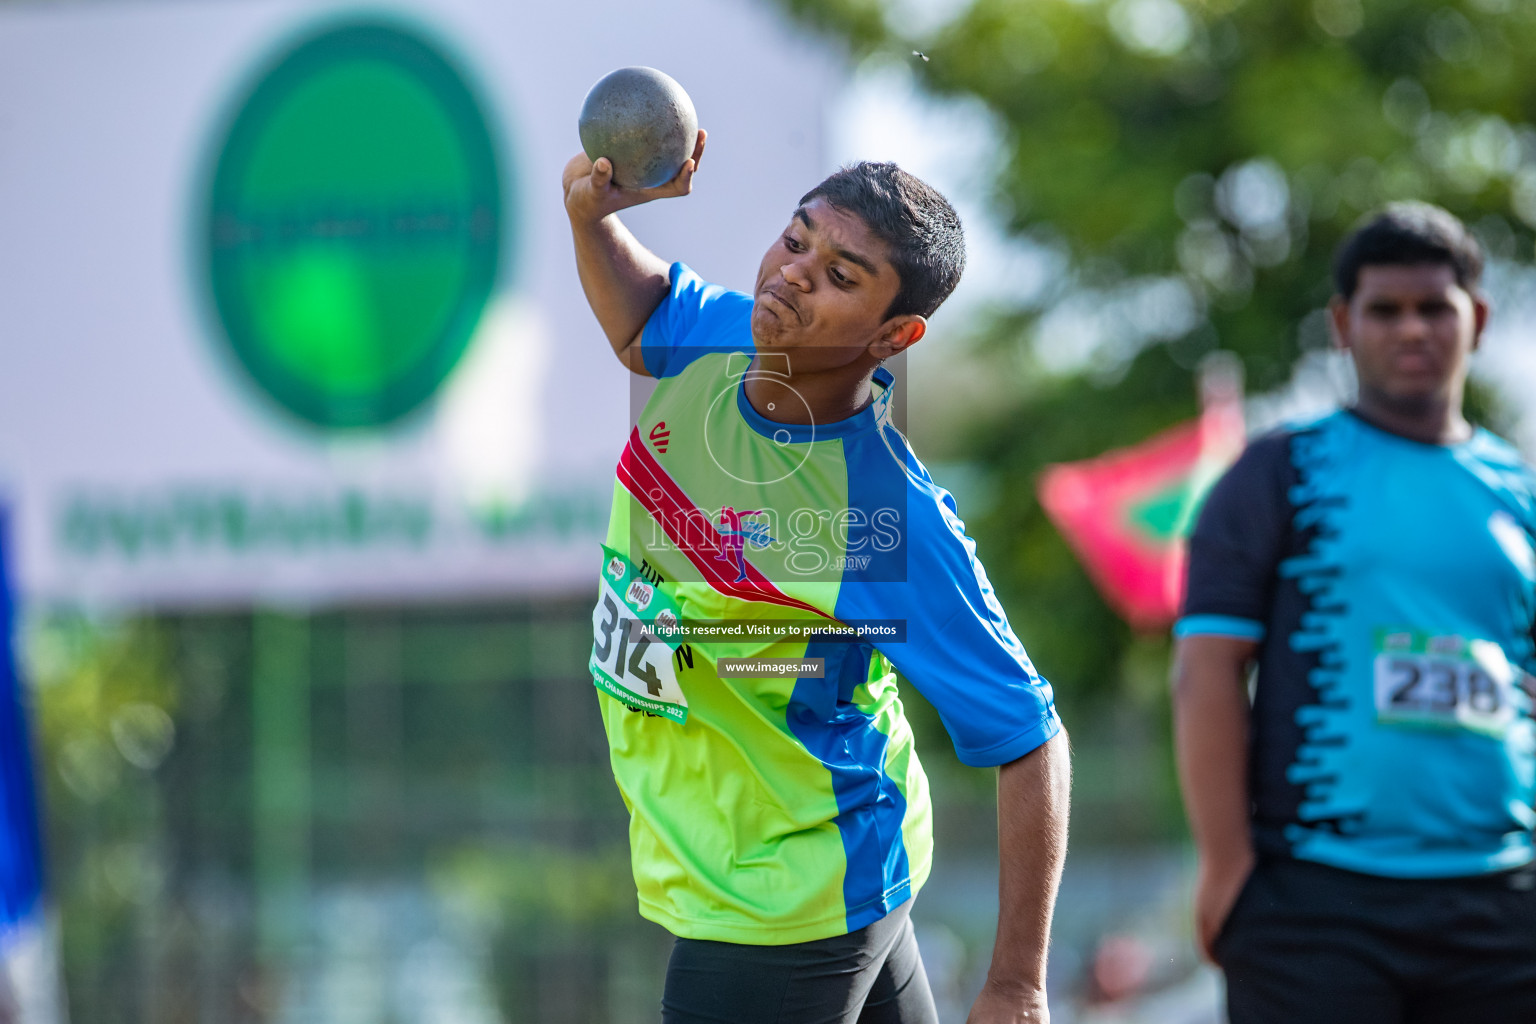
(871, 976)
(1313, 944)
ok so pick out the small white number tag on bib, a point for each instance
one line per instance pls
(1443, 681)
(629, 661)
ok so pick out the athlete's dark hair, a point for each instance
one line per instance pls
(921, 229)
(1403, 234)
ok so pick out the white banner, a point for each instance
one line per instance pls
(288, 310)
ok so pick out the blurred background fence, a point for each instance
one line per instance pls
(406, 814)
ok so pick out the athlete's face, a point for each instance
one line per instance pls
(822, 292)
(1411, 330)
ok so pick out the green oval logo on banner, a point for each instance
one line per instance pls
(355, 225)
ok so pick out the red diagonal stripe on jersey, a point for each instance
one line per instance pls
(643, 477)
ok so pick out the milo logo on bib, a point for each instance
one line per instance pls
(630, 661)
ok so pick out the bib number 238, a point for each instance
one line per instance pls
(629, 661)
(1444, 681)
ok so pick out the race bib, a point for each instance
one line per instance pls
(629, 660)
(1443, 682)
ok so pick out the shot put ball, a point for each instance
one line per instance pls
(643, 122)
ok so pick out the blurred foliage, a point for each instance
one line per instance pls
(535, 886)
(490, 839)
(104, 694)
(1193, 163)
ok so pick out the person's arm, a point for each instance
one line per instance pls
(1211, 723)
(623, 280)
(1033, 796)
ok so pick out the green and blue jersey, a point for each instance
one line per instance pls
(778, 808)
(1391, 587)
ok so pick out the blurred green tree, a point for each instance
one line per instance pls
(1196, 162)
(105, 693)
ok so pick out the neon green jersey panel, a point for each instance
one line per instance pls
(789, 804)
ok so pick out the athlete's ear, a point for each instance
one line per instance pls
(1338, 322)
(897, 335)
(1480, 310)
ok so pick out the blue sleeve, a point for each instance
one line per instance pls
(695, 319)
(959, 649)
(1237, 545)
(1528, 520)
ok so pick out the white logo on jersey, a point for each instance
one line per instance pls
(1515, 542)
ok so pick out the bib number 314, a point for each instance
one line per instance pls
(629, 661)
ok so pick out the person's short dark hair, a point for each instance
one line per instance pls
(1405, 234)
(917, 224)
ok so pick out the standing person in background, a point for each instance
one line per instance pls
(1364, 825)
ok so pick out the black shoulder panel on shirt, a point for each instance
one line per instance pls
(1240, 536)
(1245, 532)
(1287, 680)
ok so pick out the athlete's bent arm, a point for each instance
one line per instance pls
(624, 281)
(1211, 724)
(1033, 797)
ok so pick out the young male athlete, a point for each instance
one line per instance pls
(1364, 828)
(765, 506)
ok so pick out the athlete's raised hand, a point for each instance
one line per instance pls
(623, 280)
(591, 195)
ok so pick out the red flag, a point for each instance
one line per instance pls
(1128, 512)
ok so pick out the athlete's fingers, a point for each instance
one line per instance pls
(680, 185)
(691, 165)
(602, 173)
(613, 196)
(1217, 889)
(1204, 932)
(1205, 936)
(682, 182)
(576, 168)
